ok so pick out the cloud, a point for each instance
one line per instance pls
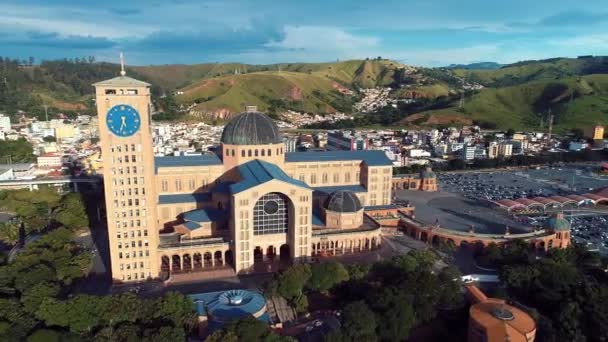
(212, 41)
(55, 41)
(124, 11)
(573, 18)
(322, 38)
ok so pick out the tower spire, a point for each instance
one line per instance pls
(122, 65)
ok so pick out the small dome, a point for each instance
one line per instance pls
(558, 222)
(251, 128)
(427, 173)
(343, 201)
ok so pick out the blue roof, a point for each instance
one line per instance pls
(330, 189)
(181, 161)
(225, 306)
(371, 157)
(192, 225)
(317, 219)
(204, 215)
(258, 172)
(184, 198)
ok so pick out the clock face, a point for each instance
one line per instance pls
(123, 120)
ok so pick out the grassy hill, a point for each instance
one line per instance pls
(517, 95)
(578, 101)
(528, 71)
(269, 90)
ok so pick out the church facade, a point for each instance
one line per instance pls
(248, 202)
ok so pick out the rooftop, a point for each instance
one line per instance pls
(257, 172)
(184, 198)
(251, 128)
(371, 157)
(181, 161)
(121, 81)
(204, 215)
(330, 189)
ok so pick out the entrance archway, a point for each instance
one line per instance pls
(176, 263)
(165, 264)
(258, 254)
(207, 260)
(271, 252)
(187, 266)
(198, 261)
(284, 252)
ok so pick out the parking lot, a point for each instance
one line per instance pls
(546, 181)
(455, 211)
(483, 187)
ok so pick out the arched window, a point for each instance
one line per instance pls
(233, 152)
(263, 153)
(269, 152)
(256, 153)
(242, 153)
(249, 153)
(270, 214)
(324, 179)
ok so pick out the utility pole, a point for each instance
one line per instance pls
(461, 104)
(550, 123)
(46, 114)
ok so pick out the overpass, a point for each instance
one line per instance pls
(33, 184)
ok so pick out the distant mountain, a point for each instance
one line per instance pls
(476, 66)
(517, 95)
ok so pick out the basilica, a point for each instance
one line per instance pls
(248, 202)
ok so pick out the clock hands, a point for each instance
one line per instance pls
(123, 123)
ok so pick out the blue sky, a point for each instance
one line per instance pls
(417, 32)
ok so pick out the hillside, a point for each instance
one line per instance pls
(528, 71)
(574, 101)
(517, 95)
(269, 90)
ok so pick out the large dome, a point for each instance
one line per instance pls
(343, 201)
(251, 128)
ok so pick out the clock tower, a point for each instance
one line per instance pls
(123, 111)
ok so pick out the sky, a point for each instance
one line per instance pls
(415, 32)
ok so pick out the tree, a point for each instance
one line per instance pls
(291, 282)
(72, 212)
(326, 275)
(9, 232)
(510, 132)
(396, 323)
(35, 295)
(49, 138)
(359, 322)
(18, 151)
(178, 309)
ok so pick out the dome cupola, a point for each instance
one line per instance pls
(343, 201)
(251, 128)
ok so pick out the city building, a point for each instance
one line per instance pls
(493, 320)
(493, 150)
(426, 181)
(467, 152)
(6, 173)
(577, 145)
(505, 150)
(595, 132)
(248, 202)
(346, 141)
(5, 123)
(49, 161)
